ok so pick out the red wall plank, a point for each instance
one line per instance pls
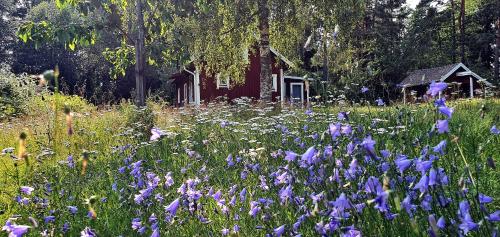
(250, 88)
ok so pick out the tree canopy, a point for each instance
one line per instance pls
(346, 42)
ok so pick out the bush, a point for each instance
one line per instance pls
(15, 92)
(140, 121)
(38, 104)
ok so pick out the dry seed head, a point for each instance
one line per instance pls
(86, 154)
(69, 120)
(386, 183)
(23, 136)
(84, 166)
(67, 110)
(22, 145)
(93, 213)
(92, 200)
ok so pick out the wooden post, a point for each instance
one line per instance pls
(471, 87)
(404, 95)
(197, 97)
(306, 82)
(282, 87)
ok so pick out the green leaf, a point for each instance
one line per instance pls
(72, 45)
(24, 37)
(59, 4)
(151, 61)
(24, 32)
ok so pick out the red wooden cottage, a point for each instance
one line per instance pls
(196, 87)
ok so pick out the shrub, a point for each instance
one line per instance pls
(15, 92)
(140, 121)
(38, 104)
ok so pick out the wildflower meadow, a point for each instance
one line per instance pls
(245, 170)
(265, 118)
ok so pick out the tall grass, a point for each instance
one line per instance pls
(230, 148)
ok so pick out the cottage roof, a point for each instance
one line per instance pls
(283, 58)
(428, 75)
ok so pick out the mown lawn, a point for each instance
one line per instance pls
(252, 171)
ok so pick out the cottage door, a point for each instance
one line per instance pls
(297, 92)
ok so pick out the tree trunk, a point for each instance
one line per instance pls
(140, 57)
(325, 59)
(453, 33)
(265, 52)
(497, 52)
(462, 32)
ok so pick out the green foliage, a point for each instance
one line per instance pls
(38, 104)
(15, 93)
(63, 26)
(122, 58)
(84, 70)
(65, 3)
(377, 41)
(36, 32)
(429, 41)
(140, 121)
(5, 9)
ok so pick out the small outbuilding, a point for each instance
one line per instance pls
(462, 81)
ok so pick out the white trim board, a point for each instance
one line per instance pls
(282, 86)
(298, 78)
(283, 58)
(275, 82)
(443, 78)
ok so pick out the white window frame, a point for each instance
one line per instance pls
(275, 82)
(301, 90)
(222, 85)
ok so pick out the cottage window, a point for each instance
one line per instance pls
(275, 82)
(222, 81)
